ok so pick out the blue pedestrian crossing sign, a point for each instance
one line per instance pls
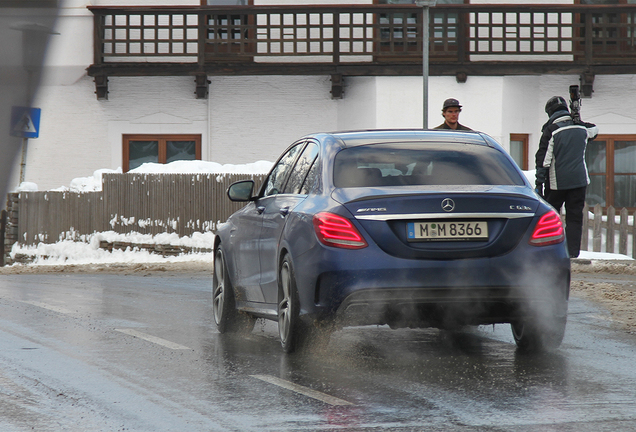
(25, 122)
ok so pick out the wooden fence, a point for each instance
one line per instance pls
(142, 203)
(606, 234)
(189, 203)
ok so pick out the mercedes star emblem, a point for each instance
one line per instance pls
(448, 205)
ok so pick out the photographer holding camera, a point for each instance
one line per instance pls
(561, 172)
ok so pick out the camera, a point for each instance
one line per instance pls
(575, 102)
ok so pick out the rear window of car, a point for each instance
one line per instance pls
(408, 164)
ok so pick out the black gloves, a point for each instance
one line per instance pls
(541, 176)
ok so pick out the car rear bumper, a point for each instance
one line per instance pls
(438, 293)
(448, 307)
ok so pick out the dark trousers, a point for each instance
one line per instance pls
(574, 200)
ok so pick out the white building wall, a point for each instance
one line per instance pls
(609, 108)
(79, 134)
(256, 118)
(252, 118)
(479, 97)
(247, 119)
(72, 136)
(613, 105)
(400, 102)
(70, 50)
(358, 109)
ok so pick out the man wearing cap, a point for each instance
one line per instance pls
(450, 112)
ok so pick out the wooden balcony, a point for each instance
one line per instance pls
(361, 40)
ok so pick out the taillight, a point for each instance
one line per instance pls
(337, 231)
(549, 230)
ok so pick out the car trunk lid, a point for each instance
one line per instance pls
(429, 223)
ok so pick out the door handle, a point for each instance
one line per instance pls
(260, 209)
(284, 211)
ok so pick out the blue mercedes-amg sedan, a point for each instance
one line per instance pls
(405, 228)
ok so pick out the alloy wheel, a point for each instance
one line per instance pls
(218, 293)
(284, 306)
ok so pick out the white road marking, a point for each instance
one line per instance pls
(331, 400)
(47, 306)
(602, 318)
(153, 339)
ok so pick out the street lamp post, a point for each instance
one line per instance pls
(425, 4)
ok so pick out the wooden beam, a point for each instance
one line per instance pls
(101, 87)
(337, 86)
(201, 86)
(358, 69)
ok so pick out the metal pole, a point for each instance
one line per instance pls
(23, 159)
(25, 141)
(425, 49)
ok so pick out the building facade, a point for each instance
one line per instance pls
(134, 88)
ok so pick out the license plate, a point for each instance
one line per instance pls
(447, 231)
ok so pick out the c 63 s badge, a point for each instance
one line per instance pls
(520, 207)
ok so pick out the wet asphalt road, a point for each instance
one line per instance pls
(134, 353)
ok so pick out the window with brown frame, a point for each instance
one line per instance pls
(438, 2)
(398, 31)
(611, 32)
(229, 35)
(602, 2)
(140, 149)
(227, 2)
(519, 149)
(611, 164)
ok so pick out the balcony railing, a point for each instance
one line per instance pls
(363, 40)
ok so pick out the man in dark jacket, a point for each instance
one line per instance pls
(450, 112)
(561, 172)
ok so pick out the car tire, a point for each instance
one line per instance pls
(289, 325)
(532, 337)
(226, 317)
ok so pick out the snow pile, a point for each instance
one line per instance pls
(27, 187)
(94, 182)
(530, 175)
(604, 256)
(87, 250)
(203, 167)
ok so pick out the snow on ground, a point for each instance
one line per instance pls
(88, 251)
(603, 256)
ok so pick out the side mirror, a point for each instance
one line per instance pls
(241, 191)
